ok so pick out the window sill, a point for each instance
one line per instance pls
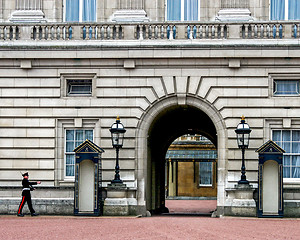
(286, 95)
(291, 181)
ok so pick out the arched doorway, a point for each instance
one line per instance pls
(158, 128)
(167, 126)
(191, 176)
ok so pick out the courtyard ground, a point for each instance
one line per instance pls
(156, 227)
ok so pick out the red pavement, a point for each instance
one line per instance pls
(157, 227)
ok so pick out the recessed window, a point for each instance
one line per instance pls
(80, 10)
(79, 87)
(289, 140)
(286, 87)
(206, 173)
(183, 10)
(73, 139)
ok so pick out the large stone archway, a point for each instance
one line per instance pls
(158, 127)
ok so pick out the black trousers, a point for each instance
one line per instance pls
(26, 197)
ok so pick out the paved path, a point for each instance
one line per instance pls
(168, 227)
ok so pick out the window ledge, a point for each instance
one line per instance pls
(291, 181)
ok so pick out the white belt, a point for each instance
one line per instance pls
(26, 189)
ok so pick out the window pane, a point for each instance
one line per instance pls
(286, 172)
(70, 159)
(70, 134)
(277, 136)
(190, 10)
(70, 146)
(174, 10)
(296, 172)
(89, 11)
(70, 170)
(277, 9)
(206, 173)
(296, 135)
(286, 160)
(79, 135)
(286, 135)
(286, 87)
(294, 9)
(89, 134)
(72, 10)
(80, 89)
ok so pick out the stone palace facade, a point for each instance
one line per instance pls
(167, 68)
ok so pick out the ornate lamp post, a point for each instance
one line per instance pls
(243, 134)
(117, 136)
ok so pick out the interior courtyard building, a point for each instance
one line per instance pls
(167, 68)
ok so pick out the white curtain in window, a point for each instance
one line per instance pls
(287, 87)
(72, 10)
(190, 10)
(277, 9)
(89, 11)
(294, 9)
(296, 149)
(174, 10)
(289, 140)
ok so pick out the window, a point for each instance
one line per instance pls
(284, 9)
(206, 172)
(286, 87)
(289, 140)
(183, 10)
(73, 139)
(80, 10)
(79, 87)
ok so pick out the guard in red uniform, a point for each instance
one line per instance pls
(26, 196)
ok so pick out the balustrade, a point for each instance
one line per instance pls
(195, 31)
(102, 32)
(267, 31)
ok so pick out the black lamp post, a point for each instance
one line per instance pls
(243, 134)
(117, 136)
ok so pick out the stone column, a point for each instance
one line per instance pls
(28, 11)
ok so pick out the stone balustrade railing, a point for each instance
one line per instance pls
(150, 31)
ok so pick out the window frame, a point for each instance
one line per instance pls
(69, 84)
(275, 83)
(182, 12)
(282, 77)
(80, 11)
(65, 77)
(288, 154)
(72, 153)
(212, 175)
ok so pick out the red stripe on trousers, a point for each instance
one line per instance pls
(21, 204)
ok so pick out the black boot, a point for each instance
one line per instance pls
(34, 214)
(20, 215)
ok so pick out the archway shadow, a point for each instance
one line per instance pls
(167, 126)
